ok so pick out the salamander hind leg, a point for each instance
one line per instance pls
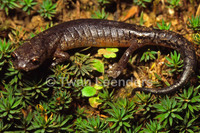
(59, 57)
(116, 69)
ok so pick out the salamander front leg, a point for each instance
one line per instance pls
(116, 69)
(60, 56)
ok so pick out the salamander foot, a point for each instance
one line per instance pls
(114, 70)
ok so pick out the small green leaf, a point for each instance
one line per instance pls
(112, 119)
(16, 103)
(108, 53)
(170, 121)
(112, 49)
(126, 124)
(98, 65)
(178, 116)
(191, 108)
(4, 114)
(158, 77)
(98, 87)
(111, 55)
(88, 91)
(94, 102)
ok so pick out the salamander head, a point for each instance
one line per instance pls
(28, 56)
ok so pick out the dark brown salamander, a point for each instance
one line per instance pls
(52, 44)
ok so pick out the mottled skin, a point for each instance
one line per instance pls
(52, 44)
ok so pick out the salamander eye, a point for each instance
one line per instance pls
(13, 55)
(35, 60)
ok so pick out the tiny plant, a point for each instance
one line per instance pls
(196, 38)
(160, 82)
(134, 129)
(144, 104)
(47, 9)
(63, 123)
(80, 113)
(105, 97)
(8, 4)
(43, 123)
(82, 64)
(61, 101)
(164, 26)
(5, 50)
(129, 106)
(25, 122)
(175, 62)
(93, 125)
(189, 101)
(173, 3)
(28, 5)
(142, 21)
(141, 3)
(100, 14)
(17, 35)
(194, 23)
(187, 126)
(15, 76)
(121, 114)
(103, 2)
(10, 107)
(153, 127)
(169, 111)
(4, 126)
(148, 55)
(25, 96)
(36, 88)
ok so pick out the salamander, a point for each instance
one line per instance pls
(55, 41)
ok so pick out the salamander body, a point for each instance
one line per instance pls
(53, 42)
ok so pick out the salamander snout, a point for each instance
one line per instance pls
(17, 63)
(25, 61)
